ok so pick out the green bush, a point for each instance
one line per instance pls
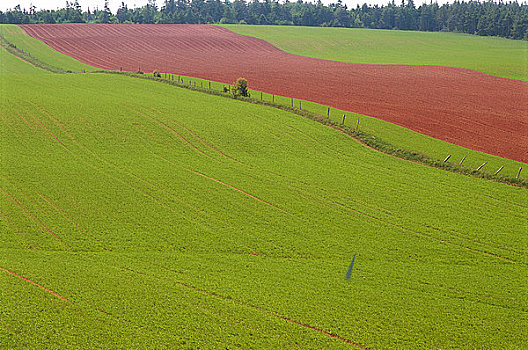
(240, 88)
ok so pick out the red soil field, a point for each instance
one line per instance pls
(464, 107)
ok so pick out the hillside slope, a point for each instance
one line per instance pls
(491, 55)
(463, 107)
(135, 214)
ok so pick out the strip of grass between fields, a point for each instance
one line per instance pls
(365, 138)
(361, 136)
(26, 56)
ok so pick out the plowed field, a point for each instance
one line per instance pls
(464, 107)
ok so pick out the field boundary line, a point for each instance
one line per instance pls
(364, 138)
(36, 284)
(12, 49)
(369, 140)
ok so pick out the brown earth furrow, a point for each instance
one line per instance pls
(464, 107)
(36, 284)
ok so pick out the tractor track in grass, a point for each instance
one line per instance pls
(203, 141)
(272, 313)
(36, 284)
(180, 136)
(239, 190)
(242, 303)
(464, 107)
(438, 239)
(63, 214)
(44, 127)
(34, 217)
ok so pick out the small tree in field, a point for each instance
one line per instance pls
(240, 88)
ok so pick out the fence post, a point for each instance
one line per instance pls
(300, 105)
(447, 158)
(292, 102)
(273, 98)
(519, 172)
(261, 95)
(328, 113)
(357, 125)
(499, 170)
(343, 121)
(462, 160)
(480, 167)
(209, 85)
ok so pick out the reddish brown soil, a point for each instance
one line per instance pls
(464, 107)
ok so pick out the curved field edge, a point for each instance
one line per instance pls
(171, 248)
(365, 137)
(376, 133)
(441, 102)
(495, 56)
(39, 50)
(391, 136)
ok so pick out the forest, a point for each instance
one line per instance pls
(488, 18)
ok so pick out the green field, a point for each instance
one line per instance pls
(396, 135)
(173, 219)
(491, 55)
(16, 35)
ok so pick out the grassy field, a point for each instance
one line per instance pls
(396, 135)
(172, 219)
(495, 56)
(16, 35)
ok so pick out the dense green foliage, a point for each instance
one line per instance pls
(495, 56)
(170, 219)
(486, 18)
(240, 88)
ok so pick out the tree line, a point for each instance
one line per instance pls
(488, 18)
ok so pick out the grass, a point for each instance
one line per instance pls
(39, 50)
(377, 133)
(496, 56)
(173, 219)
(399, 138)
